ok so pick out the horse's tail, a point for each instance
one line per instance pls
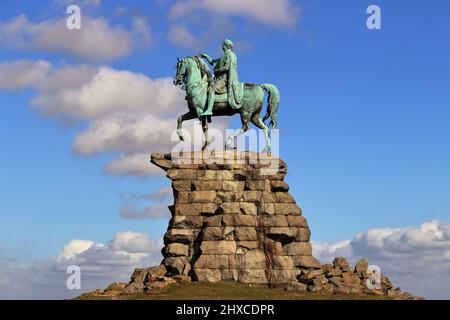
(273, 100)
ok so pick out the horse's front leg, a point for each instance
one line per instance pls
(205, 132)
(187, 116)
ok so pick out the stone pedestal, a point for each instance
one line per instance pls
(233, 218)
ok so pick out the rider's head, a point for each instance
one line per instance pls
(227, 44)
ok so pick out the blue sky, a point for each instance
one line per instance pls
(363, 116)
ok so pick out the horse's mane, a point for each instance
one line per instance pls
(202, 66)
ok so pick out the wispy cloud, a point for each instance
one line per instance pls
(156, 210)
(282, 13)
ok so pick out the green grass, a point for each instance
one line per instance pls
(226, 290)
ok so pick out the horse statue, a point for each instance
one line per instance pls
(194, 76)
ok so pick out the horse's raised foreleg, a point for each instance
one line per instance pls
(187, 116)
(230, 138)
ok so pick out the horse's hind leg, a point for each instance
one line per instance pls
(187, 116)
(257, 121)
(205, 132)
(230, 139)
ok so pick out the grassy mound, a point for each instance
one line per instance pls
(224, 290)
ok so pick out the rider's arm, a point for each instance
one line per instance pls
(208, 58)
(220, 70)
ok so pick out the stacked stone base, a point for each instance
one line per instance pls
(337, 278)
(233, 218)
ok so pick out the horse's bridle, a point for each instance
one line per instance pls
(177, 81)
(181, 82)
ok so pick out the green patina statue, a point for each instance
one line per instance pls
(223, 94)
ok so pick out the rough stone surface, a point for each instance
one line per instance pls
(361, 267)
(340, 262)
(233, 218)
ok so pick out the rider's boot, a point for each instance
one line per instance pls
(208, 111)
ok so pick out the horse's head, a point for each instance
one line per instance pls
(180, 68)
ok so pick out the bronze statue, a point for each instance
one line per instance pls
(224, 95)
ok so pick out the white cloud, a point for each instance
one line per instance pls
(182, 37)
(74, 248)
(133, 242)
(416, 259)
(87, 92)
(125, 133)
(126, 249)
(22, 73)
(279, 13)
(97, 39)
(136, 138)
(101, 264)
(129, 115)
(327, 251)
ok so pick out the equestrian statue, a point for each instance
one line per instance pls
(223, 95)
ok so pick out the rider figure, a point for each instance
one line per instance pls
(225, 78)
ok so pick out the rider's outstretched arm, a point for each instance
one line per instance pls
(208, 58)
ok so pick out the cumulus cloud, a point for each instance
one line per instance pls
(279, 13)
(97, 39)
(87, 92)
(128, 114)
(125, 133)
(100, 263)
(20, 74)
(415, 258)
(134, 243)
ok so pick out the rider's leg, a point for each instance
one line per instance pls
(210, 102)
